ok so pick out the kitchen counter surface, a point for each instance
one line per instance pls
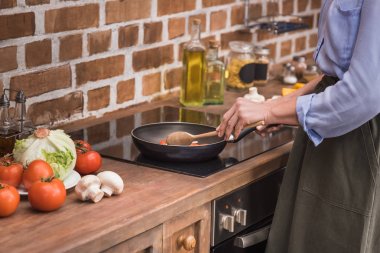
(150, 198)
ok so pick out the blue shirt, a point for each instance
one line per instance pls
(348, 48)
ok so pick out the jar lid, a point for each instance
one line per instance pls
(240, 46)
(262, 51)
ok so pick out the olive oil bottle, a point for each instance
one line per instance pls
(194, 64)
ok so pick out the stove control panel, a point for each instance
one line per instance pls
(244, 207)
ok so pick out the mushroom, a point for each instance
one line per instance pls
(89, 188)
(111, 183)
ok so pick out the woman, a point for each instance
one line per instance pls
(330, 196)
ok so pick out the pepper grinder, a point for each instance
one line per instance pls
(23, 123)
(5, 122)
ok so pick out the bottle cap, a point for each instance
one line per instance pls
(240, 46)
(4, 101)
(213, 43)
(262, 51)
(196, 21)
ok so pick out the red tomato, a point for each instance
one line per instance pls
(47, 195)
(11, 173)
(82, 146)
(88, 162)
(9, 200)
(36, 170)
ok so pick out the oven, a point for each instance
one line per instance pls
(241, 219)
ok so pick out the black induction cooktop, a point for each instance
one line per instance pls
(112, 139)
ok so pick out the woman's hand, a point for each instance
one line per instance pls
(243, 112)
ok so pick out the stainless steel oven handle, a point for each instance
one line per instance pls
(252, 238)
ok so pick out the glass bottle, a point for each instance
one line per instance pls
(299, 63)
(192, 86)
(7, 138)
(240, 55)
(23, 123)
(262, 62)
(214, 84)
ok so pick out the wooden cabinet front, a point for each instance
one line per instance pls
(188, 232)
(147, 242)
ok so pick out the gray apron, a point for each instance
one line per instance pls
(330, 196)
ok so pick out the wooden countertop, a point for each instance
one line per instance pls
(150, 198)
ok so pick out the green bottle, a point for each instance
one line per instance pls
(214, 83)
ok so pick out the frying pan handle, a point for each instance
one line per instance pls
(249, 130)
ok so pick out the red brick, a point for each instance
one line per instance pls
(37, 2)
(272, 50)
(272, 8)
(265, 35)
(4, 4)
(99, 133)
(202, 18)
(151, 84)
(152, 32)
(316, 4)
(70, 47)
(173, 78)
(313, 40)
(152, 58)
(37, 83)
(166, 7)
(98, 98)
(237, 35)
(126, 10)
(286, 48)
(56, 109)
(99, 69)
(99, 42)
(218, 20)
(302, 5)
(72, 18)
(287, 7)
(125, 91)
(300, 44)
(17, 25)
(38, 53)
(1, 85)
(128, 36)
(209, 3)
(176, 27)
(8, 58)
(237, 13)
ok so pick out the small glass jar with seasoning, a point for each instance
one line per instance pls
(262, 62)
(241, 54)
(299, 63)
(310, 73)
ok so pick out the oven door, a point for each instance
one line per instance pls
(251, 240)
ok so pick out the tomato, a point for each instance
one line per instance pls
(35, 171)
(47, 195)
(88, 162)
(9, 200)
(82, 146)
(11, 173)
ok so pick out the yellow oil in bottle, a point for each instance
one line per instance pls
(192, 86)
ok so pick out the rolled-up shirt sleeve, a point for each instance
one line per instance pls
(354, 99)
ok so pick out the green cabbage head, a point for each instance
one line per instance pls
(57, 149)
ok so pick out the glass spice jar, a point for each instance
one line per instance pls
(310, 73)
(262, 62)
(299, 63)
(240, 55)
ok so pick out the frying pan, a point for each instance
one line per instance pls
(147, 139)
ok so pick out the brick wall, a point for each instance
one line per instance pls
(76, 59)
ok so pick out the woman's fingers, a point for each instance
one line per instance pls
(231, 125)
(226, 117)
